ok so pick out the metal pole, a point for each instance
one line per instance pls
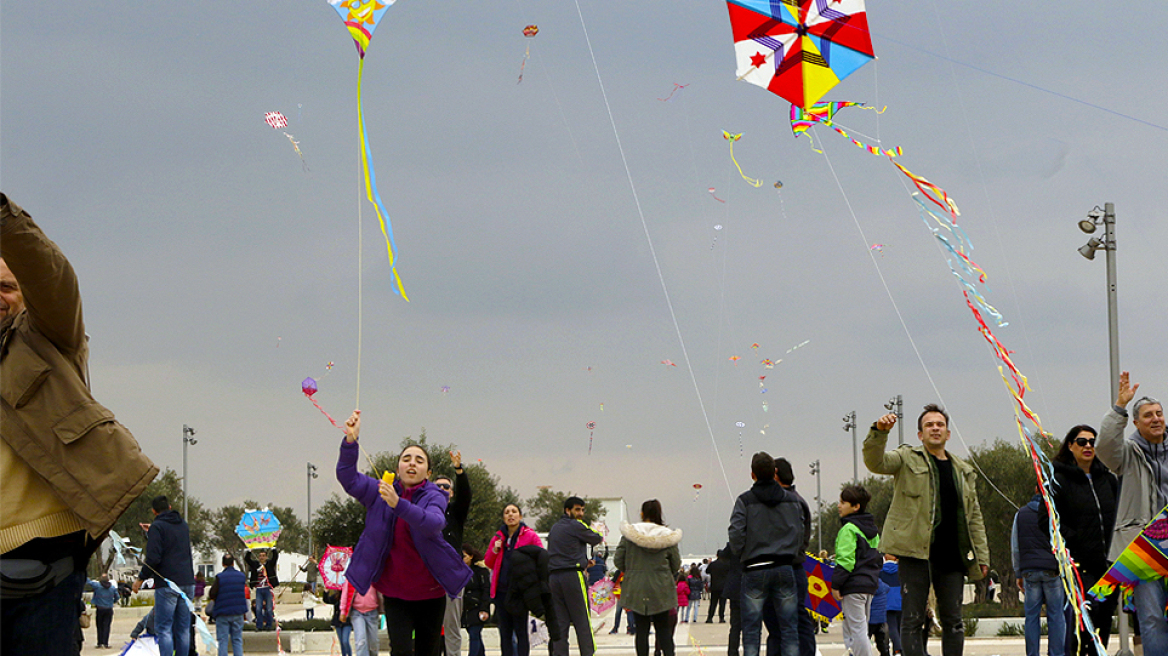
(184, 472)
(900, 417)
(311, 475)
(818, 504)
(850, 424)
(1112, 300)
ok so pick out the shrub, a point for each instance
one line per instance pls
(1009, 629)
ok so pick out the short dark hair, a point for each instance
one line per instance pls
(572, 502)
(1064, 454)
(160, 504)
(784, 472)
(446, 478)
(762, 465)
(856, 495)
(228, 560)
(932, 407)
(475, 554)
(651, 512)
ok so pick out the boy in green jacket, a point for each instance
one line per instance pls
(857, 567)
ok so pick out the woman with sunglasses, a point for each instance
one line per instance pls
(1085, 497)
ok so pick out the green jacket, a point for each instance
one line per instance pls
(649, 557)
(915, 510)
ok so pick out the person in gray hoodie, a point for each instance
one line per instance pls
(766, 533)
(1141, 460)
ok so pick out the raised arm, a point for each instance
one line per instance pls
(1110, 444)
(462, 493)
(46, 278)
(876, 459)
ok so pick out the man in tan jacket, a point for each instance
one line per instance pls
(68, 469)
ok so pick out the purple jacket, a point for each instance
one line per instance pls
(426, 516)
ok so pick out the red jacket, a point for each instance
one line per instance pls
(494, 558)
(682, 594)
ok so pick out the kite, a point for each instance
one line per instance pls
(802, 120)
(740, 424)
(820, 603)
(530, 31)
(259, 529)
(601, 597)
(735, 358)
(276, 120)
(668, 363)
(732, 138)
(332, 566)
(1145, 559)
(715, 196)
(361, 18)
(308, 386)
(877, 247)
(445, 389)
(717, 227)
(697, 490)
(778, 184)
(799, 49)
(676, 88)
(798, 346)
(602, 407)
(296, 147)
(591, 426)
(754, 345)
(768, 363)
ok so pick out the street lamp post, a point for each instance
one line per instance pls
(850, 425)
(188, 438)
(817, 473)
(1106, 216)
(311, 475)
(897, 403)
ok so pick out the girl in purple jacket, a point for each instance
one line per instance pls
(401, 552)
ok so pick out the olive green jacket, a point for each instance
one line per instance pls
(67, 463)
(649, 557)
(915, 511)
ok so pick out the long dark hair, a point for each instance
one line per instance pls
(1064, 455)
(651, 512)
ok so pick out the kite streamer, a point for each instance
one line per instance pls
(529, 32)
(296, 147)
(676, 87)
(732, 138)
(362, 17)
(802, 120)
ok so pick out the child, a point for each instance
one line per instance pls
(857, 567)
(682, 593)
(878, 620)
(310, 601)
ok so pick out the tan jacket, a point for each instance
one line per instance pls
(908, 529)
(65, 463)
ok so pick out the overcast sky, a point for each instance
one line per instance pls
(217, 273)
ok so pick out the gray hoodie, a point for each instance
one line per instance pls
(1144, 468)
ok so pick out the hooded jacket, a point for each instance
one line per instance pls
(62, 454)
(857, 555)
(1030, 540)
(718, 571)
(1086, 509)
(890, 574)
(916, 502)
(1144, 469)
(426, 515)
(476, 596)
(528, 590)
(648, 555)
(525, 536)
(766, 526)
(168, 550)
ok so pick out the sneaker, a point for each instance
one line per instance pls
(709, 621)
(612, 632)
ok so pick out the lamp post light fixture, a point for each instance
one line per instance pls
(897, 403)
(188, 438)
(850, 425)
(311, 475)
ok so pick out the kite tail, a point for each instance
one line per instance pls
(751, 181)
(324, 412)
(371, 188)
(524, 64)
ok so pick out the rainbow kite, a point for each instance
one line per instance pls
(1145, 559)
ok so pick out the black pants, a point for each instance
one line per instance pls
(1100, 613)
(735, 627)
(916, 576)
(104, 616)
(719, 601)
(893, 621)
(511, 628)
(663, 628)
(45, 621)
(880, 632)
(570, 598)
(414, 627)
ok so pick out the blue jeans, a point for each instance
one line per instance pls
(172, 620)
(476, 641)
(229, 628)
(1046, 587)
(265, 609)
(774, 586)
(1149, 598)
(343, 633)
(692, 610)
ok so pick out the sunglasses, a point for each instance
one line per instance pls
(1085, 441)
(446, 486)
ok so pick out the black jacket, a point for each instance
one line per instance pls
(766, 526)
(1086, 511)
(1033, 534)
(864, 577)
(476, 596)
(457, 510)
(253, 568)
(733, 585)
(168, 550)
(567, 544)
(527, 586)
(718, 570)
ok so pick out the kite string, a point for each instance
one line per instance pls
(907, 332)
(652, 250)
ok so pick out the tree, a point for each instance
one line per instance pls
(547, 506)
(339, 522)
(880, 487)
(169, 484)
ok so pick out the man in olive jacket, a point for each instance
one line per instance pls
(68, 469)
(934, 525)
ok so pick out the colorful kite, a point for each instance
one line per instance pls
(735, 358)
(362, 18)
(715, 196)
(668, 363)
(697, 490)
(799, 49)
(530, 31)
(296, 147)
(732, 138)
(1145, 559)
(333, 564)
(308, 386)
(259, 529)
(820, 603)
(802, 120)
(276, 120)
(600, 596)
(591, 426)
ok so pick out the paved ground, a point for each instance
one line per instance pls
(691, 639)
